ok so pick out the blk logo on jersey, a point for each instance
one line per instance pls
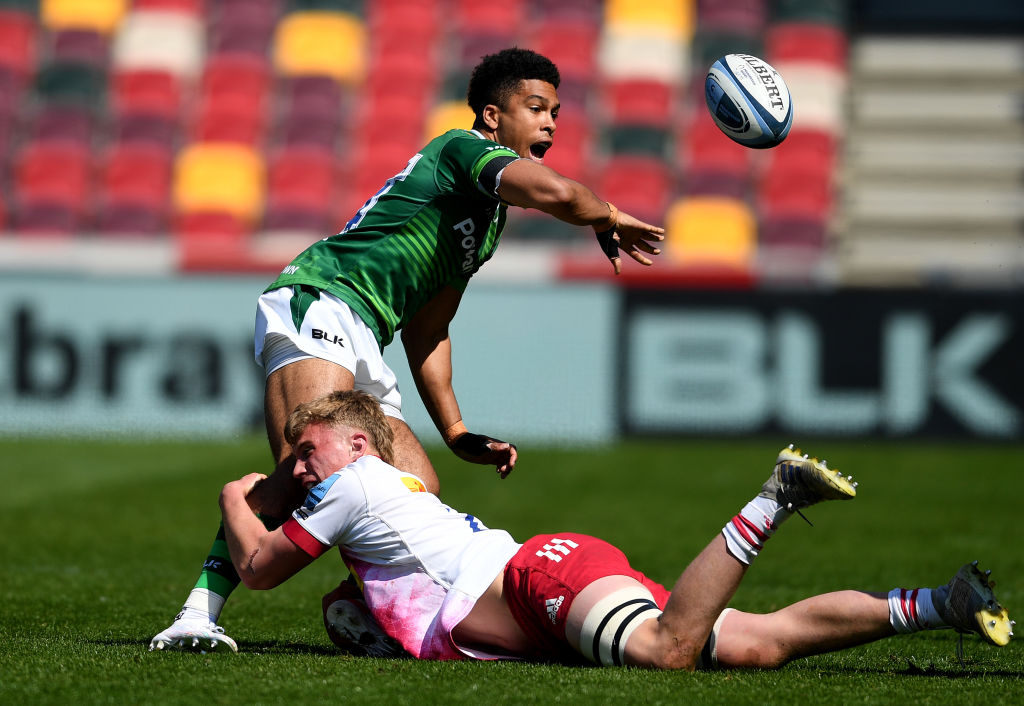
(320, 335)
(557, 548)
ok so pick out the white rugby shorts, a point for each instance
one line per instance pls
(330, 331)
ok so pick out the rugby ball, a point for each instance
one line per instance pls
(748, 100)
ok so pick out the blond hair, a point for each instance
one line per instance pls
(351, 408)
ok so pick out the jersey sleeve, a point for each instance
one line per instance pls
(328, 514)
(472, 165)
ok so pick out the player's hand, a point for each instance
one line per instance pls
(477, 448)
(244, 485)
(192, 634)
(632, 236)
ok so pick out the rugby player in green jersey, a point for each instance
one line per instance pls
(402, 263)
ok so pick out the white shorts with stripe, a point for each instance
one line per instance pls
(330, 331)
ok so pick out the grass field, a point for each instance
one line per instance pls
(102, 541)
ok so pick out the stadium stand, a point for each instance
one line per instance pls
(133, 92)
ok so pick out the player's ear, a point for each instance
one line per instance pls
(359, 444)
(489, 116)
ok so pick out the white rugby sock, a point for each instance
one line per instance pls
(746, 533)
(911, 610)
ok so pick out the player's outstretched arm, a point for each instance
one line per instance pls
(530, 185)
(428, 349)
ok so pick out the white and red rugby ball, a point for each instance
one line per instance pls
(749, 101)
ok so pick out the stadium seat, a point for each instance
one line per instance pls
(807, 42)
(445, 116)
(672, 19)
(73, 123)
(244, 26)
(473, 47)
(80, 46)
(311, 111)
(220, 177)
(414, 21)
(228, 118)
(639, 185)
(810, 151)
(210, 240)
(818, 91)
(51, 187)
(783, 232)
(710, 231)
(321, 43)
(705, 149)
(146, 91)
(18, 34)
(133, 189)
(572, 152)
(831, 12)
(145, 127)
(63, 82)
(186, 7)
(103, 16)
(639, 54)
(572, 45)
(162, 40)
(744, 17)
(233, 99)
(412, 74)
(640, 101)
(649, 140)
(709, 47)
(483, 16)
(795, 194)
(301, 180)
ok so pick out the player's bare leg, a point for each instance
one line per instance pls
(300, 382)
(831, 621)
(704, 589)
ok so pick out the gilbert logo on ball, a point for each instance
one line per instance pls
(749, 100)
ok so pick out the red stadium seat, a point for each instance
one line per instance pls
(706, 150)
(143, 127)
(311, 111)
(69, 122)
(301, 189)
(137, 174)
(228, 118)
(483, 16)
(640, 102)
(243, 26)
(807, 42)
(147, 91)
(746, 18)
(638, 185)
(572, 45)
(80, 46)
(51, 187)
(18, 32)
(571, 154)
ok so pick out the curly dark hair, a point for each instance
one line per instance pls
(496, 78)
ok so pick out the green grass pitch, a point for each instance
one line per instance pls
(101, 542)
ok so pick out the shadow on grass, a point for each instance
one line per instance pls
(263, 647)
(969, 670)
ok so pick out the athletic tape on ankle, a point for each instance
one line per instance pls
(611, 621)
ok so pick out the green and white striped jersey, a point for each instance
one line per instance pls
(433, 224)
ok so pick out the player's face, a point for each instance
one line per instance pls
(320, 451)
(527, 123)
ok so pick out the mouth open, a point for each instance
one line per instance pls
(538, 150)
